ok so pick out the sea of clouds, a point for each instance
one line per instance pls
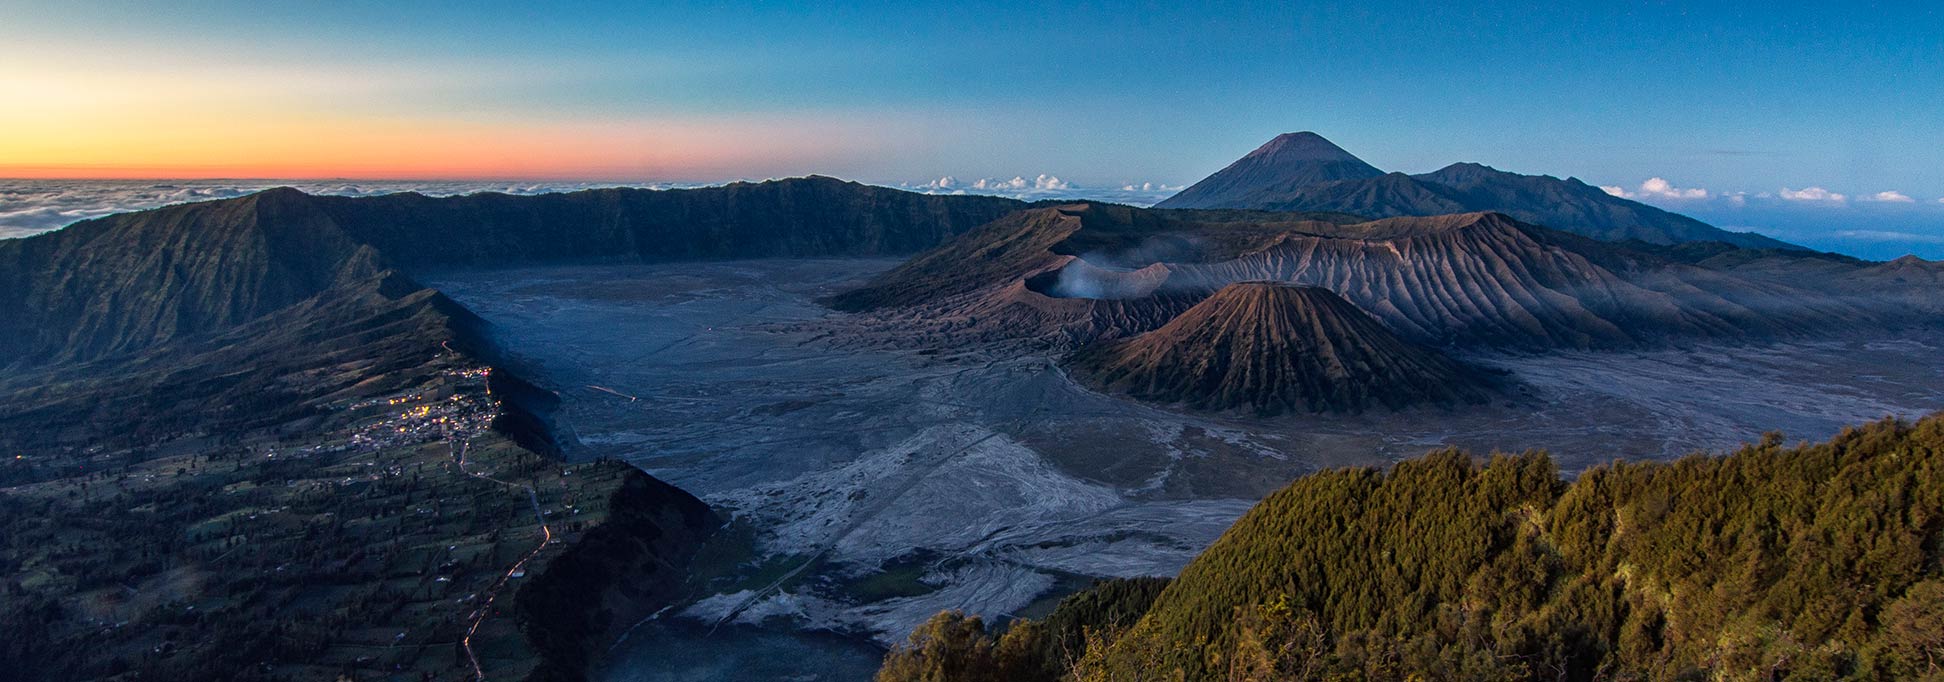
(1877, 225)
(1044, 186)
(29, 207)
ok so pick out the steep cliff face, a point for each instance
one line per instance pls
(264, 320)
(126, 282)
(632, 565)
(116, 286)
(797, 217)
(1275, 348)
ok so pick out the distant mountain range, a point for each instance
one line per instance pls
(152, 324)
(150, 292)
(1081, 273)
(185, 328)
(1304, 172)
(124, 283)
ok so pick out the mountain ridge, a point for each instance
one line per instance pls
(116, 285)
(1569, 205)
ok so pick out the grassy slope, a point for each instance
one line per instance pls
(1810, 562)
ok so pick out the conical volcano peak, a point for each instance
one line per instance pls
(1289, 161)
(1275, 347)
(1304, 145)
(1304, 172)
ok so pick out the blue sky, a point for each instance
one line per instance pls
(1714, 96)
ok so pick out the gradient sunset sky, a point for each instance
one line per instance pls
(1844, 98)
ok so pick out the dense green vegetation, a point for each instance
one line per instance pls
(1808, 562)
(956, 647)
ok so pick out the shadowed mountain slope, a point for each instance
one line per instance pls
(1276, 348)
(1290, 160)
(295, 416)
(798, 217)
(1569, 205)
(117, 285)
(127, 282)
(1080, 273)
(281, 334)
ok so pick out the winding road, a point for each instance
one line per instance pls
(459, 447)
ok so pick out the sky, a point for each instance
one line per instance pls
(1733, 99)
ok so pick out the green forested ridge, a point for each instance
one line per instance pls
(1809, 562)
(956, 647)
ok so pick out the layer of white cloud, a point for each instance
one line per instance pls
(1892, 196)
(1812, 194)
(1044, 186)
(1657, 188)
(1891, 236)
(29, 207)
(1018, 183)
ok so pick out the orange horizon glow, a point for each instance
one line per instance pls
(84, 125)
(423, 150)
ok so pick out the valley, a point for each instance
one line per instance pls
(881, 482)
(829, 442)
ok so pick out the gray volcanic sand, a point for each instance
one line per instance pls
(1004, 476)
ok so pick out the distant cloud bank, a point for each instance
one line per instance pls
(1044, 186)
(1881, 225)
(29, 207)
(1019, 183)
(1657, 188)
(1812, 194)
